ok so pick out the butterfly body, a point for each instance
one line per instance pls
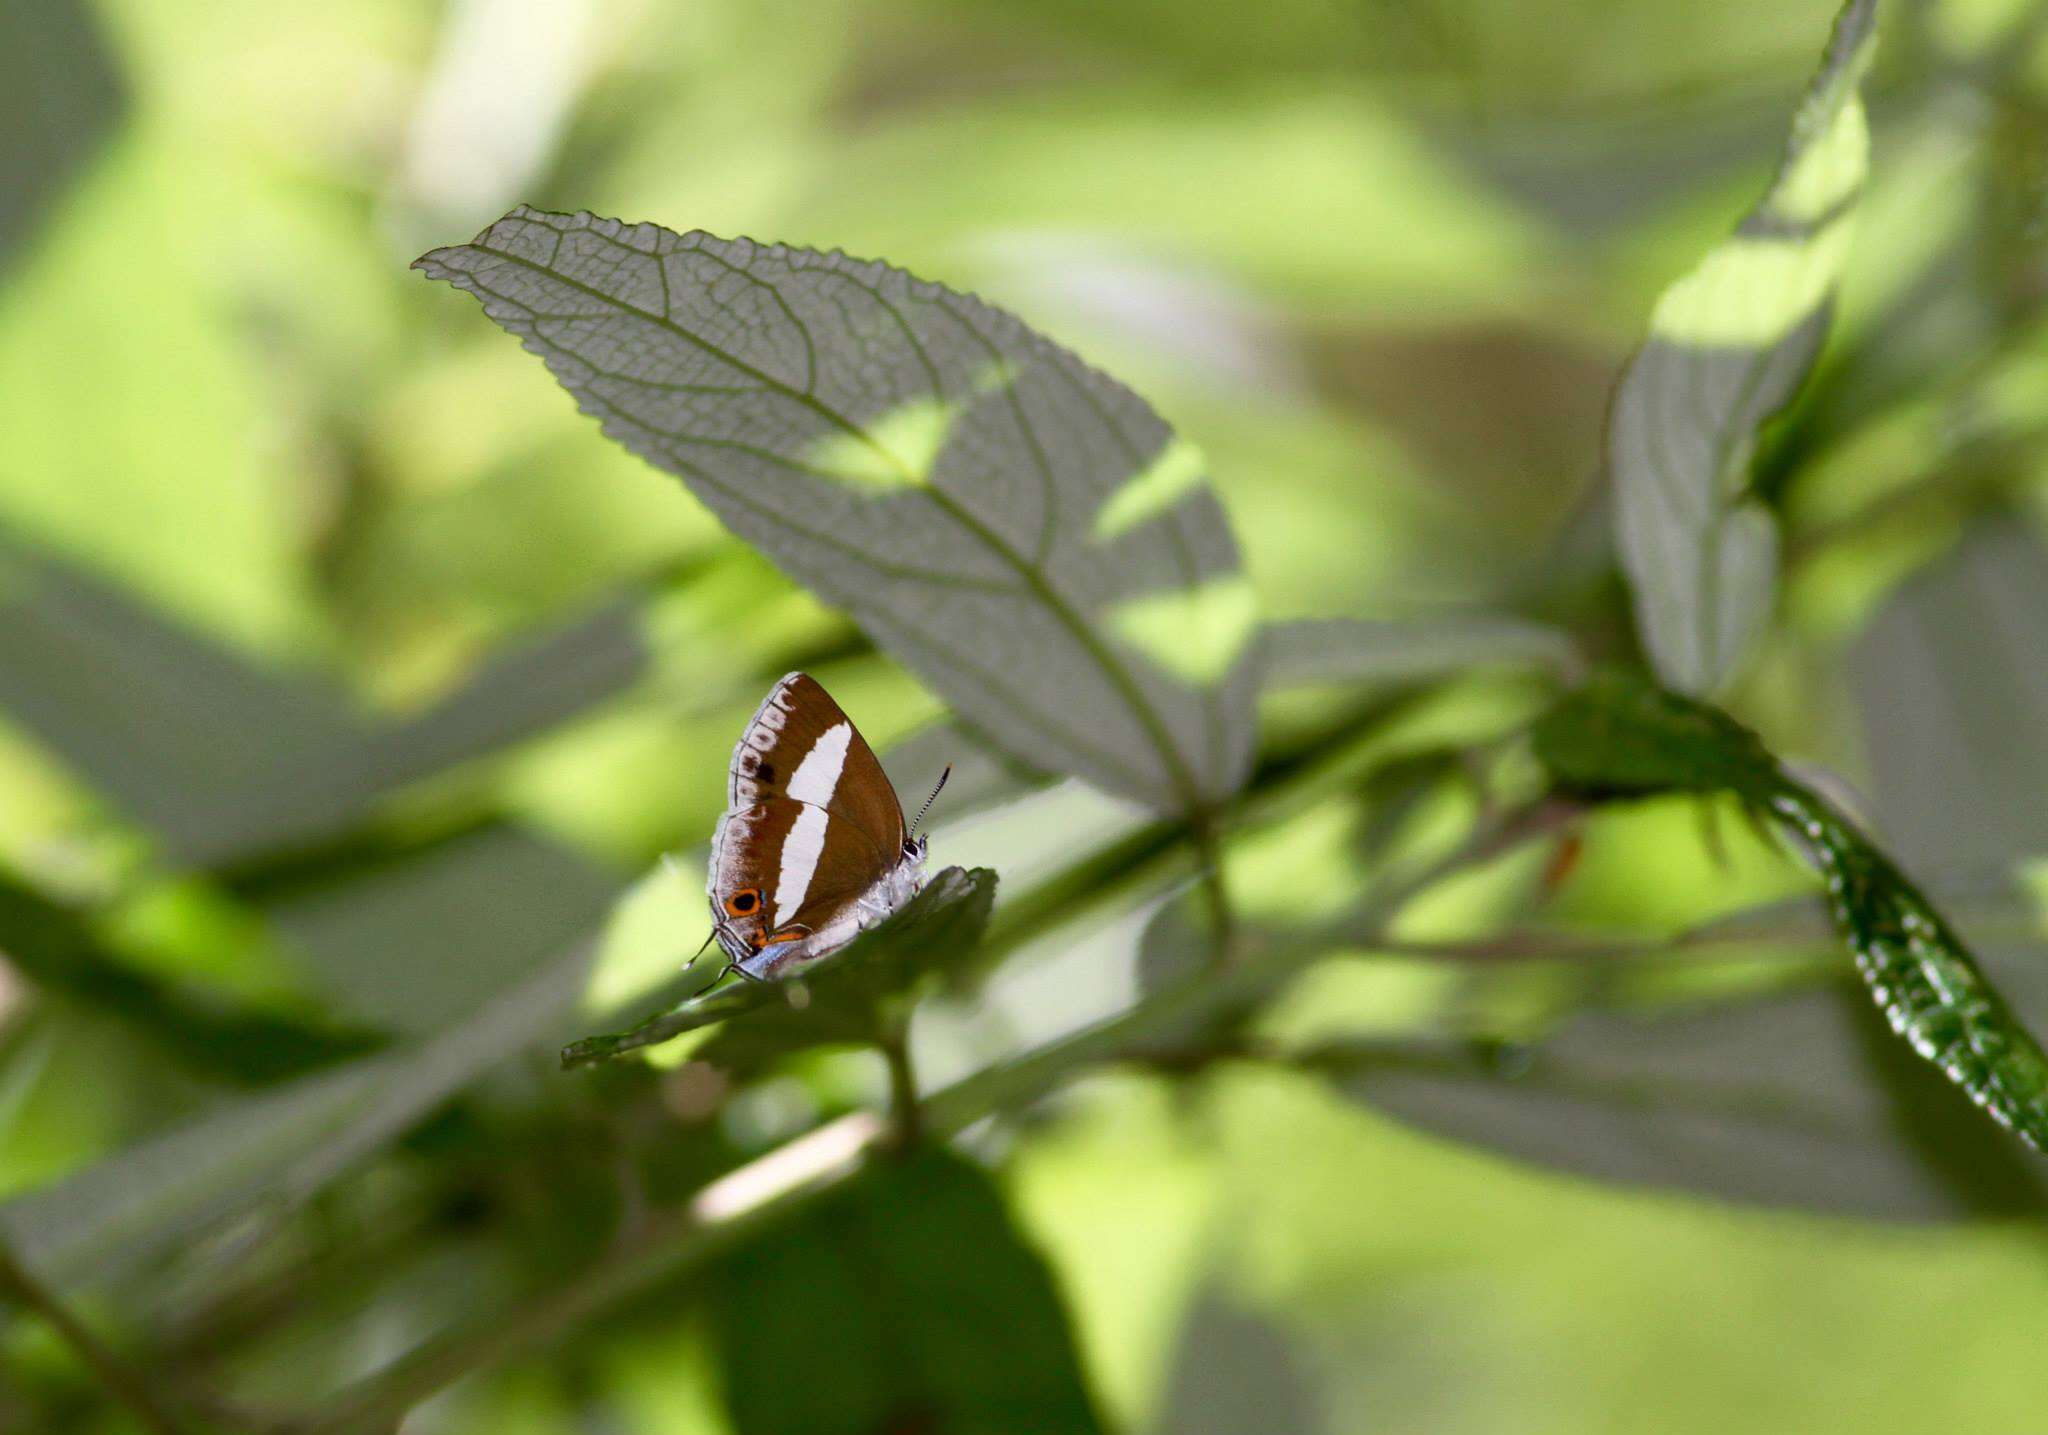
(812, 849)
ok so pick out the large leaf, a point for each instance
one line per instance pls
(1620, 736)
(1729, 345)
(913, 1304)
(1355, 650)
(1795, 1098)
(1951, 682)
(1017, 527)
(138, 703)
(56, 947)
(835, 1000)
(279, 1147)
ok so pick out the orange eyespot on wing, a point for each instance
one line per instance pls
(742, 902)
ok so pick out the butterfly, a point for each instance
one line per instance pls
(812, 849)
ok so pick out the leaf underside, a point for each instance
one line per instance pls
(1618, 736)
(1018, 528)
(1729, 346)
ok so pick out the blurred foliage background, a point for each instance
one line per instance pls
(348, 680)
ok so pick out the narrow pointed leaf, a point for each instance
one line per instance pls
(1018, 528)
(1619, 736)
(1729, 346)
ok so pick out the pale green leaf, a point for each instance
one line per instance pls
(1730, 344)
(925, 462)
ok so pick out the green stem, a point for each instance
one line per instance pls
(1208, 840)
(123, 1383)
(683, 1241)
(905, 1115)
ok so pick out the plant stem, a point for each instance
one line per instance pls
(1208, 842)
(123, 1383)
(905, 1117)
(682, 1241)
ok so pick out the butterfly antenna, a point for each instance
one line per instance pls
(700, 951)
(930, 800)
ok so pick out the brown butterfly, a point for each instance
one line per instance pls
(812, 850)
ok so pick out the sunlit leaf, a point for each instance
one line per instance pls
(1729, 345)
(833, 1001)
(1618, 736)
(1354, 650)
(916, 1306)
(1020, 529)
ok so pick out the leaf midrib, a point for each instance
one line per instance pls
(1190, 793)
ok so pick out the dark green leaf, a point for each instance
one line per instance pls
(1729, 345)
(906, 1302)
(57, 948)
(59, 98)
(1017, 527)
(280, 1147)
(1797, 1099)
(1353, 650)
(1621, 736)
(835, 1000)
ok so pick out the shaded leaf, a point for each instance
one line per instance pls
(1021, 530)
(835, 1000)
(57, 948)
(59, 98)
(278, 1148)
(1355, 650)
(915, 1306)
(982, 778)
(138, 703)
(1795, 1099)
(1951, 680)
(416, 944)
(1621, 736)
(1236, 1370)
(1729, 345)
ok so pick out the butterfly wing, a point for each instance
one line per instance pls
(772, 870)
(801, 746)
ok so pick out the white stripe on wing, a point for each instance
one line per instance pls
(817, 777)
(800, 852)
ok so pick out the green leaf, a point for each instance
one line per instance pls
(57, 948)
(1798, 1098)
(834, 1001)
(59, 97)
(1957, 764)
(1620, 736)
(1354, 650)
(416, 944)
(912, 1302)
(280, 1147)
(1020, 529)
(1729, 346)
(304, 766)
